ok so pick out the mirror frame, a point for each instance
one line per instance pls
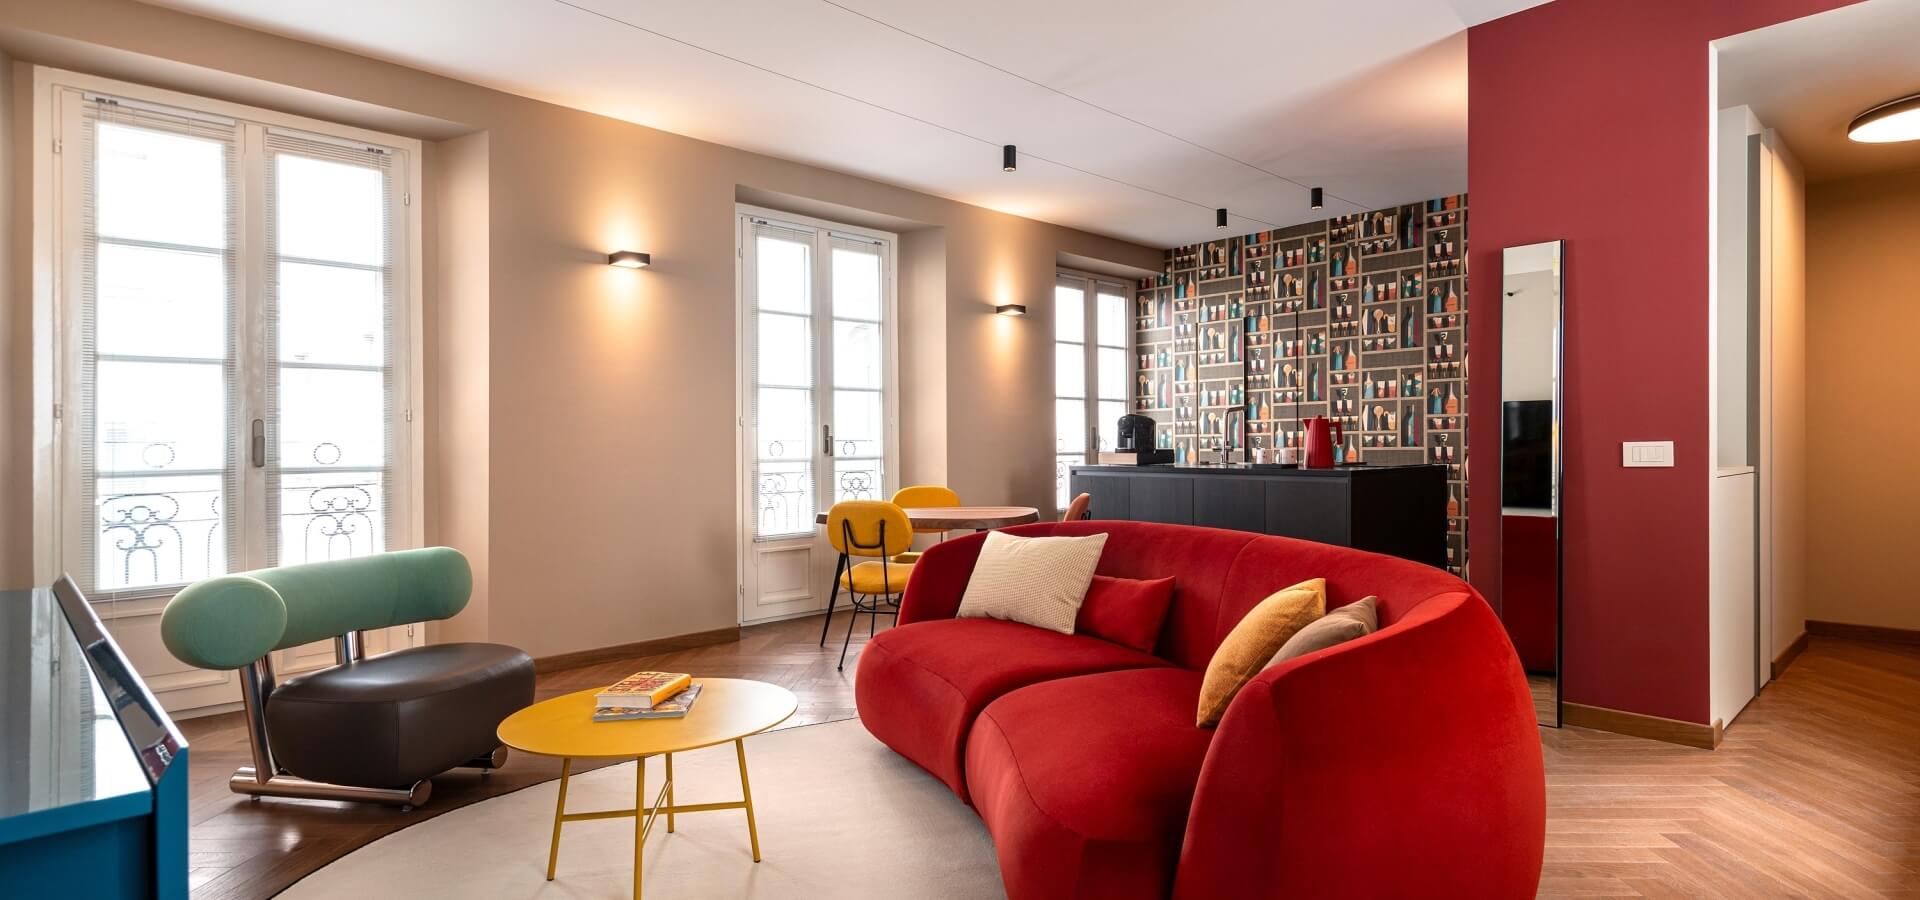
(1557, 250)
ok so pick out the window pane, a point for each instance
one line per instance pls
(1069, 426)
(857, 479)
(331, 515)
(785, 423)
(329, 210)
(783, 496)
(152, 302)
(332, 418)
(856, 284)
(155, 186)
(785, 277)
(1069, 370)
(157, 416)
(1112, 310)
(856, 354)
(785, 351)
(158, 529)
(1069, 314)
(1062, 480)
(330, 314)
(857, 423)
(1113, 373)
(1110, 413)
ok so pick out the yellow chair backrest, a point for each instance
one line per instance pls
(923, 496)
(865, 519)
(1077, 510)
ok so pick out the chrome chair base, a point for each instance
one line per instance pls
(244, 781)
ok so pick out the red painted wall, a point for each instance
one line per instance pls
(1588, 123)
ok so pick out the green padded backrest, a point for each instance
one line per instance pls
(232, 620)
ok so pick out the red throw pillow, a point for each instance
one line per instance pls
(1126, 611)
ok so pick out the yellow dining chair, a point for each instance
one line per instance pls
(1077, 510)
(877, 532)
(923, 496)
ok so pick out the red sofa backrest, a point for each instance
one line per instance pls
(1220, 575)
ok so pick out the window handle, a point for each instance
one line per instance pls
(826, 439)
(259, 442)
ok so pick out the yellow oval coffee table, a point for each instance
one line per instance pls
(729, 709)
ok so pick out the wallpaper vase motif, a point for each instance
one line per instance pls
(1360, 318)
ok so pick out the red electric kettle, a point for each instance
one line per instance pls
(1322, 435)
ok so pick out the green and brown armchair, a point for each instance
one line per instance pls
(367, 728)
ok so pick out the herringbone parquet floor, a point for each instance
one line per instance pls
(1815, 792)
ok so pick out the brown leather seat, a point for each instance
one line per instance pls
(391, 720)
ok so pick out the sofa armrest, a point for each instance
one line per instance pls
(940, 578)
(1406, 763)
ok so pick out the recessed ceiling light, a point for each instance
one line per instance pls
(1888, 123)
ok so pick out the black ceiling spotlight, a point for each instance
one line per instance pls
(1009, 158)
(1220, 217)
(1319, 197)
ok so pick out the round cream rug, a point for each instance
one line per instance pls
(840, 816)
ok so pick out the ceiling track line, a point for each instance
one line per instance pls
(886, 109)
(1083, 101)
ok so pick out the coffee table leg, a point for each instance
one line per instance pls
(640, 816)
(559, 809)
(746, 796)
(669, 793)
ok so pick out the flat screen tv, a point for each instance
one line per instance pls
(1526, 453)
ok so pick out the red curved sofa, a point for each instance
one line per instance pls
(1402, 764)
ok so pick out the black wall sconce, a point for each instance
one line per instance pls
(1011, 309)
(629, 259)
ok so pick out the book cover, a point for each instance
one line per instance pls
(671, 708)
(642, 690)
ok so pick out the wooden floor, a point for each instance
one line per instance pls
(1814, 793)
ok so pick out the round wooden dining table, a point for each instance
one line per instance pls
(958, 518)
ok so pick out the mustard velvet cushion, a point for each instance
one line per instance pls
(1354, 620)
(1255, 640)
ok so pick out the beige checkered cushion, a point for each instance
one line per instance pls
(1038, 581)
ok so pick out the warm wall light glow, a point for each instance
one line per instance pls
(1011, 309)
(629, 259)
(1888, 123)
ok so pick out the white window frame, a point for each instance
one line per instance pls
(811, 597)
(1090, 285)
(56, 309)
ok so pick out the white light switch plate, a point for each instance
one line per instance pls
(1646, 454)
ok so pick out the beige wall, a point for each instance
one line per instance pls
(608, 511)
(1863, 506)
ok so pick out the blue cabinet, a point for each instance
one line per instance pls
(93, 775)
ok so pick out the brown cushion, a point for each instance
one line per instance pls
(1337, 627)
(1254, 641)
(393, 719)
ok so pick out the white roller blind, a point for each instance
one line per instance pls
(331, 381)
(157, 354)
(784, 367)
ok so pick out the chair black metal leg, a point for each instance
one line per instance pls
(833, 598)
(852, 617)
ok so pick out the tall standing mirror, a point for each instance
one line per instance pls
(1532, 408)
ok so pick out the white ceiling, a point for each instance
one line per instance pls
(1134, 118)
(1808, 78)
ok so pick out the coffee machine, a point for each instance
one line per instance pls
(1134, 435)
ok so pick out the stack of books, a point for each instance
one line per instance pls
(646, 695)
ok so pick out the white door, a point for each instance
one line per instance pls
(232, 376)
(817, 404)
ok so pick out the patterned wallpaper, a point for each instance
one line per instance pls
(1362, 319)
